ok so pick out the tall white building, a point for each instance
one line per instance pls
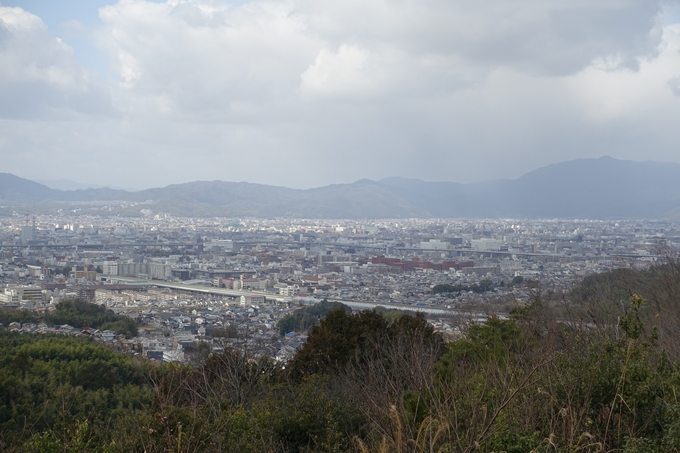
(160, 271)
(110, 268)
(132, 269)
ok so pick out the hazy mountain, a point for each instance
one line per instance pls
(449, 199)
(589, 188)
(14, 188)
(67, 184)
(360, 199)
(596, 188)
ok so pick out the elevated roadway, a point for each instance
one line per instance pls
(201, 289)
(432, 311)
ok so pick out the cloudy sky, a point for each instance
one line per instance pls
(303, 93)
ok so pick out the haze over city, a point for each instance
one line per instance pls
(302, 94)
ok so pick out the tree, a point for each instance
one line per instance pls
(304, 318)
(341, 338)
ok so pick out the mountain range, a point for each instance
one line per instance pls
(67, 184)
(584, 188)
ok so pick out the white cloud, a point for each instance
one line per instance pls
(207, 57)
(39, 74)
(347, 72)
(605, 95)
(556, 37)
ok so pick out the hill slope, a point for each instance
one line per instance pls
(589, 188)
(14, 188)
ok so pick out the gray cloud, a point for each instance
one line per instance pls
(674, 85)
(199, 55)
(555, 38)
(304, 93)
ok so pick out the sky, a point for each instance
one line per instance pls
(305, 93)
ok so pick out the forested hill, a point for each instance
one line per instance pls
(584, 188)
(591, 371)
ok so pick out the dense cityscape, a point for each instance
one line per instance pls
(186, 281)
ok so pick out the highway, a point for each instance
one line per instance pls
(202, 289)
(285, 299)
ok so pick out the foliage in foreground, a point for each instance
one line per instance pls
(533, 382)
(51, 383)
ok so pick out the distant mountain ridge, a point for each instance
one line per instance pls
(66, 184)
(584, 188)
(588, 188)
